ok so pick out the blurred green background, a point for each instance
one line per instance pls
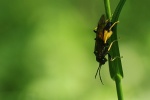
(46, 50)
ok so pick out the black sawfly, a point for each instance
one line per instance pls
(103, 33)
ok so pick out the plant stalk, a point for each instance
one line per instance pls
(115, 67)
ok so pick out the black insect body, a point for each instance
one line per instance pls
(101, 50)
(103, 33)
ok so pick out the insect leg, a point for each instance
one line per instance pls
(95, 30)
(111, 44)
(113, 25)
(112, 59)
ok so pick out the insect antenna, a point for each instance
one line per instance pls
(98, 72)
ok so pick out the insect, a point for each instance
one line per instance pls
(103, 33)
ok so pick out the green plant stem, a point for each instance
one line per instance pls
(107, 9)
(115, 67)
(119, 87)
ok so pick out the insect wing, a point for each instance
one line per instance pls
(99, 49)
(99, 29)
(101, 24)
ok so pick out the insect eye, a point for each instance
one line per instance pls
(103, 60)
(108, 25)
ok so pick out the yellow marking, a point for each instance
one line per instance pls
(95, 29)
(106, 35)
